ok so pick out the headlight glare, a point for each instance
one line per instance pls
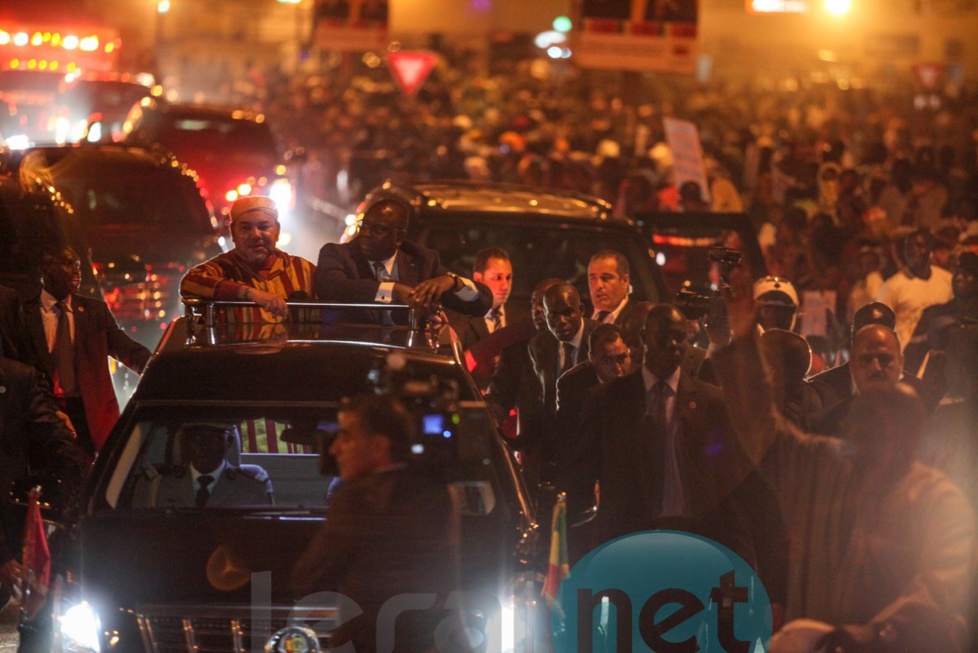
(80, 629)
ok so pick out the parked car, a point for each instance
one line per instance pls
(96, 109)
(234, 151)
(139, 578)
(34, 217)
(547, 233)
(145, 217)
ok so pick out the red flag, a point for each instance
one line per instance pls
(36, 568)
(559, 567)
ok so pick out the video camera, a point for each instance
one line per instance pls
(451, 437)
(706, 302)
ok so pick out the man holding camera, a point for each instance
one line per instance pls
(390, 530)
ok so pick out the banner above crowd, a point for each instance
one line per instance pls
(638, 35)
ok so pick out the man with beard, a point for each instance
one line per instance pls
(381, 266)
(70, 339)
(255, 270)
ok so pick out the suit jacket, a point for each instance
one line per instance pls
(385, 534)
(544, 353)
(97, 336)
(343, 274)
(573, 389)
(471, 329)
(31, 432)
(234, 488)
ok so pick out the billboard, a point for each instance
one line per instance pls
(638, 35)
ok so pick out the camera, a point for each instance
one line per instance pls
(705, 302)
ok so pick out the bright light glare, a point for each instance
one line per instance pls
(80, 626)
(163, 6)
(562, 24)
(231, 195)
(554, 52)
(838, 7)
(244, 189)
(281, 194)
(70, 42)
(18, 142)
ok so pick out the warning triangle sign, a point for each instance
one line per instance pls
(929, 75)
(411, 68)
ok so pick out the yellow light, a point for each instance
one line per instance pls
(89, 44)
(47, 37)
(231, 195)
(838, 7)
(37, 39)
(109, 47)
(71, 67)
(70, 42)
(15, 63)
(43, 65)
(54, 65)
(55, 38)
(244, 189)
(32, 64)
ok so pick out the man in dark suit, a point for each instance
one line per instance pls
(391, 530)
(493, 268)
(837, 386)
(608, 358)
(71, 338)
(608, 285)
(379, 265)
(553, 352)
(32, 431)
(654, 441)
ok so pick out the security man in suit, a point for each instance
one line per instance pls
(552, 353)
(493, 268)
(70, 338)
(654, 441)
(608, 284)
(379, 265)
(207, 479)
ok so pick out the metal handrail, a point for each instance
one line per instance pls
(193, 304)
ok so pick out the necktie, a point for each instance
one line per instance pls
(63, 353)
(602, 315)
(381, 272)
(203, 493)
(655, 406)
(568, 361)
(496, 318)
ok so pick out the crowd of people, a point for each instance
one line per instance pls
(843, 473)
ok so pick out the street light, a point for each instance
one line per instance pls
(838, 7)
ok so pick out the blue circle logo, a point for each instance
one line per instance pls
(662, 591)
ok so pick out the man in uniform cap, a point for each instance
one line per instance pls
(777, 303)
(255, 270)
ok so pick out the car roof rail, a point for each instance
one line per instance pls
(206, 313)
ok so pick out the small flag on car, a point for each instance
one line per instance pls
(559, 567)
(36, 568)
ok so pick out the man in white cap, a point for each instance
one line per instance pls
(255, 270)
(777, 302)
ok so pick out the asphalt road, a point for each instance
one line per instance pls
(8, 628)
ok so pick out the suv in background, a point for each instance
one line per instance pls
(546, 233)
(96, 109)
(187, 579)
(145, 217)
(234, 151)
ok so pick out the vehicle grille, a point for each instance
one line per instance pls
(202, 629)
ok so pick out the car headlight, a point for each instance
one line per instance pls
(80, 628)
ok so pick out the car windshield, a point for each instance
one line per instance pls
(540, 252)
(119, 194)
(218, 134)
(261, 457)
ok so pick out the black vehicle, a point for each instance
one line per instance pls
(234, 151)
(143, 578)
(143, 213)
(547, 233)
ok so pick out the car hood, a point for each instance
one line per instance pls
(157, 245)
(133, 558)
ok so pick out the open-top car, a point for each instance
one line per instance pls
(148, 571)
